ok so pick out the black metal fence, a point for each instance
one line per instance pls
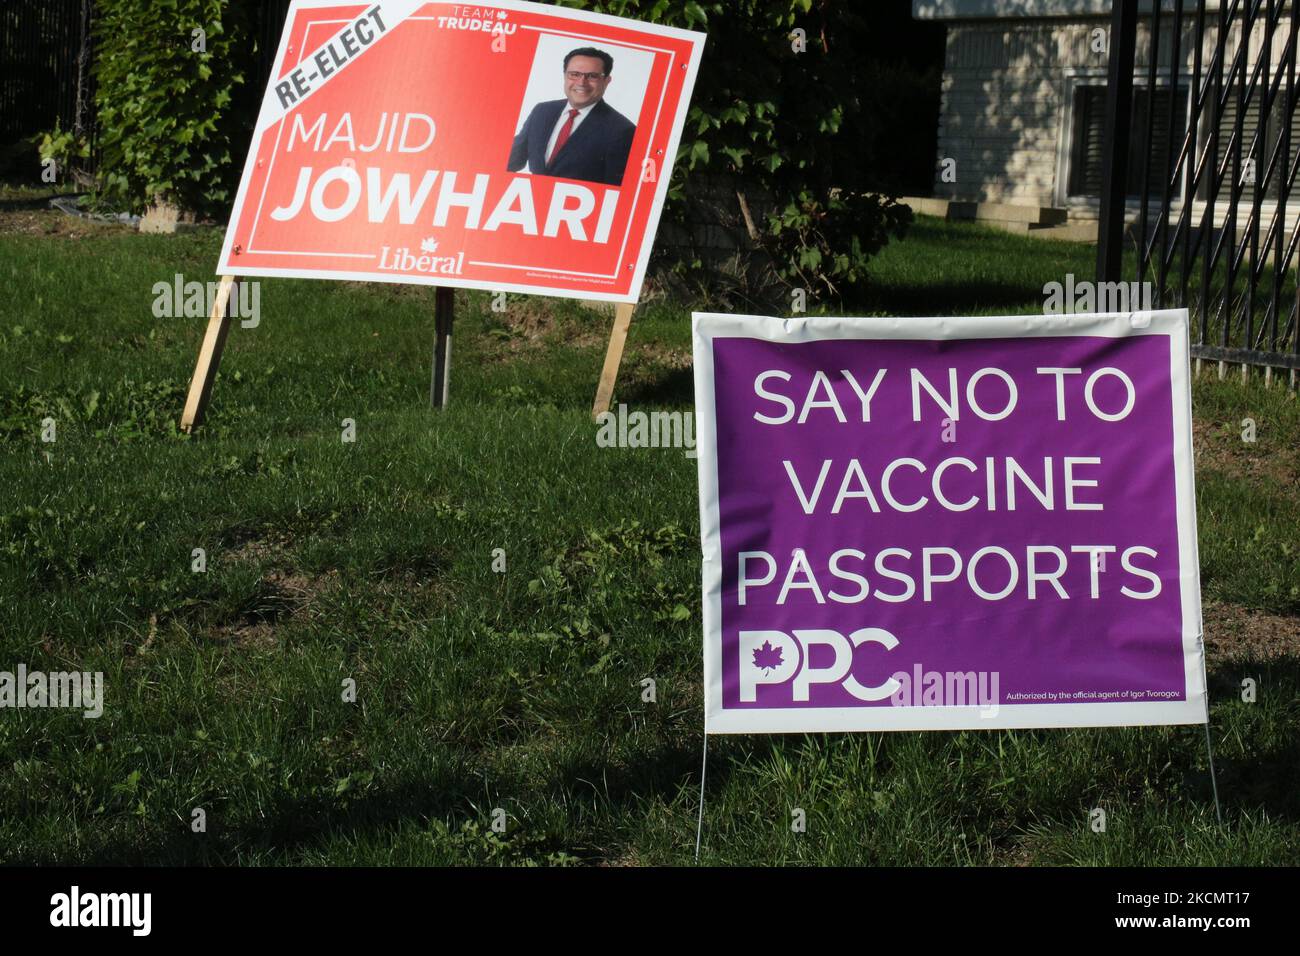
(1217, 227)
(267, 32)
(45, 68)
(47, 59)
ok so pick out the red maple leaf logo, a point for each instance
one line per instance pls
(767, 656)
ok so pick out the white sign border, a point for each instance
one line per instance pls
(707, 327)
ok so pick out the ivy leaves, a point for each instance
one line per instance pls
(167, 111)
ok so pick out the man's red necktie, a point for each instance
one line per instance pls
(563, 138)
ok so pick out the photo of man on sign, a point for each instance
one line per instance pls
(580, 136)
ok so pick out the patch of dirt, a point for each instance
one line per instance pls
(51, 222)
(1235, 633)
(1208, 446)
(1219, 446)
(1018, 852)
(530, 321)
(662, 356)
(254, 637)
(282, 596)
(628, 857)
(270, 545)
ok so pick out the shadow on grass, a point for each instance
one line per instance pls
(657, 387)
(1257, 761)
(27, 203)
(295, 824)
(1267, 776)
(948, 298)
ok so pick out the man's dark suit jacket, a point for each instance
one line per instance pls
(596, 151)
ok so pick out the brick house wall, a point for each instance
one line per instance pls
(1012, 74)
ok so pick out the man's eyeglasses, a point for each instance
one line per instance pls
(576, 75)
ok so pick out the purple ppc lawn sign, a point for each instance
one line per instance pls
(947, 523)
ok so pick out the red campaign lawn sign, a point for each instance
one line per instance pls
(404, 141)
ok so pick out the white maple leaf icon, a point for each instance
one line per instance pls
(429, 245)
(501, 14)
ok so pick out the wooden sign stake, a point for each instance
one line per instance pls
(613, 355)
(444, 304)
(214, 341)
(205, 372)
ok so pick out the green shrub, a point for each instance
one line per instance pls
(823, 245)
(173, 116)
(69, 151)
(795, 127)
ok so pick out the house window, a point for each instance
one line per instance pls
(1264, 147)
(1088, 141)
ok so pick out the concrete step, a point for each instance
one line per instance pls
(1084, 231)
(1033, 215)
(967, 210)
(1070, 232)
(926, 206)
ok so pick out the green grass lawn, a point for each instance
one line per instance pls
(479, 690)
